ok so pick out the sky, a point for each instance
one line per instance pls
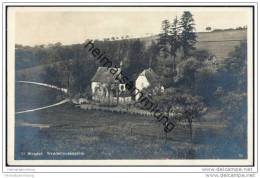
(35, 26)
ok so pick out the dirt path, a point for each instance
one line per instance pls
(45, 85)
(49, 106)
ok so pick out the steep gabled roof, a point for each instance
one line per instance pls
(151, 76)
(103, 75)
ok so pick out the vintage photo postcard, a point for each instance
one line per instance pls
(129, 85)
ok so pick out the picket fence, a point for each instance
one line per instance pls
(134, 111)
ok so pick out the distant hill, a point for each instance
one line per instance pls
(219, 43)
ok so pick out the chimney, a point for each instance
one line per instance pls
(121, 64)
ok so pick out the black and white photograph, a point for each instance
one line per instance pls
(130, 85)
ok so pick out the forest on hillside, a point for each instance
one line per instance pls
(192, 78)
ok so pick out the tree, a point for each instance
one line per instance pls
(169, 42)
(234, 95)
(208, 29)
(184, 106)
(65, 69)
(122, 50)
(135, 58)
(234, 69)
(51, 76)
(174, 44)
(151, 54)
(187, 72)
(188, 35)
(164, 38)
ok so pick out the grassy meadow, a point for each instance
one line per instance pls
(105, 135)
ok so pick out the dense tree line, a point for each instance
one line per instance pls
(193, 81)
(58, 61)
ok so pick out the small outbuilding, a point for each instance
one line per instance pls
(148, 78)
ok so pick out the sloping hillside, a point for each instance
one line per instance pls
(219, 43)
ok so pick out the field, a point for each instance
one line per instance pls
(105, 135)
(30, 96)
(219, 43)
(222, 43)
